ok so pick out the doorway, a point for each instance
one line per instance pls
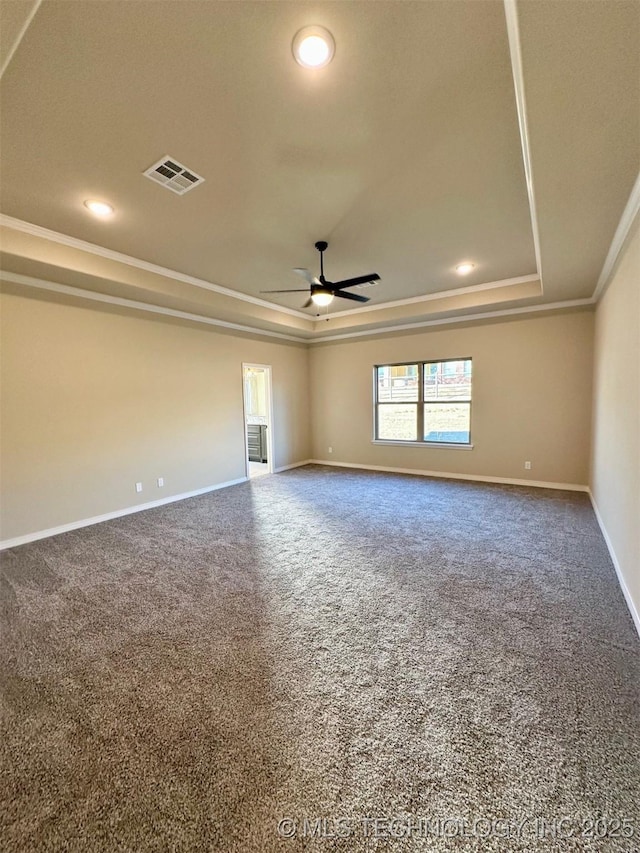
(258, 419)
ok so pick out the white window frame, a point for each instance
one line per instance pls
(419, 403)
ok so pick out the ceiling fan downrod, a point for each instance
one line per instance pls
(321, 246)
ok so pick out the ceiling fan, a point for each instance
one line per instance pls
(321, 291)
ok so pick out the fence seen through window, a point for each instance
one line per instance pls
(427, 401)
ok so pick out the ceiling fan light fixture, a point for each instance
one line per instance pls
(321, 291)
(465, 268)
(313, 47)
(322, 298)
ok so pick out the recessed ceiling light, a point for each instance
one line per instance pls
(322, 297)
(313, 47)
(465, 268)
(99, 208)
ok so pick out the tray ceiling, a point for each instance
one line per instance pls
(405, 152)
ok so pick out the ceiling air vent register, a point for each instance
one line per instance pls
(173, 175)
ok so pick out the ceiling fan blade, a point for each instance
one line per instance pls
(355, 296)
(351, 282)
(308, 302)
(306, 275)
(289, 290)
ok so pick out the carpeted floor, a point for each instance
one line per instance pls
(358, 661)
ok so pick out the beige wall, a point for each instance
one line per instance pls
(531, 398)
(95, 400)
(615, 466)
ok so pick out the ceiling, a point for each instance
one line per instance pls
(501, 133)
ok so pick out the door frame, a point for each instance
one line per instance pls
(269, 396)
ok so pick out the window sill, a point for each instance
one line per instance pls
(431, 444)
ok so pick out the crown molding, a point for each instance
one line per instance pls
(627, 219)
(93, 296)
(515, 50)
(41, 284)
(430, 297)
(463, 318)
(147, 266)
(110, 254)
(20, 36)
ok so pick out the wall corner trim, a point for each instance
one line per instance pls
(109, 516)
(623, 586)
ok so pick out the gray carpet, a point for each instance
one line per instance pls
(361, 661)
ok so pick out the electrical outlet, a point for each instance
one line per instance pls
(138, 487)
(330, 449)
(160, 482)
(527, 465)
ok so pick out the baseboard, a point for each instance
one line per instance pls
(508, 481)
(623, 586)
(293, 465)
(98, 519)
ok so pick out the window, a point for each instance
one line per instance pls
(428, 402)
